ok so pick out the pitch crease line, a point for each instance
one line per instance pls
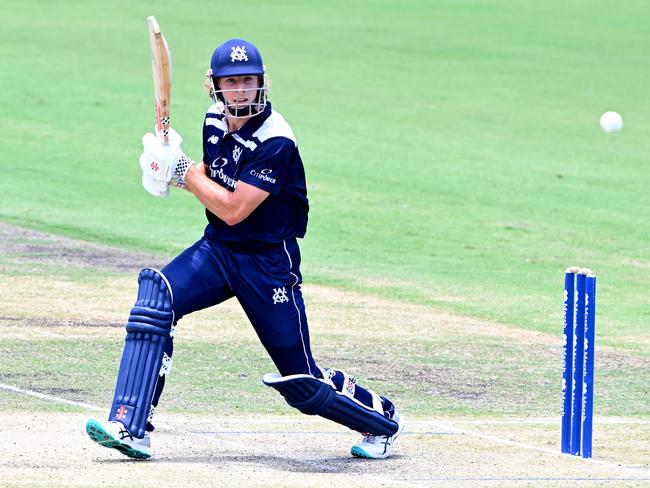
(442, 425)
(536, 421)
(530, 447)
(51, 398)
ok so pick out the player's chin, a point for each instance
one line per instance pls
(241, 110)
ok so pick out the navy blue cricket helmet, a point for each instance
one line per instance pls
(238, 57)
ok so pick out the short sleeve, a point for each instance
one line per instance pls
(269, 164)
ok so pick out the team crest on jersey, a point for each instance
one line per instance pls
(280, 295)
(236, 154)
(238, 53)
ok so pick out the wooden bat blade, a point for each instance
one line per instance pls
(162, 76)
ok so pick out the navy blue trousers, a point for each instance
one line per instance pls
(266, 282)
(265, 279)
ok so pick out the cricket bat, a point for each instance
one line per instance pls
(162, 77)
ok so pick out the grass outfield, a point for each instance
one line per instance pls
(455, 169)
(466, 168)
(63, 330)
(452, 148)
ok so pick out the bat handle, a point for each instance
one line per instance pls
(162, 124)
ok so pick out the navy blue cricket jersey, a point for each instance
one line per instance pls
(262, 153)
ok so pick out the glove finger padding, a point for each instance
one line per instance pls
(157, 149)
(173, 139)
(158, 168)
(155, 146)
(156, 188)
(164, 162)
(144, 161)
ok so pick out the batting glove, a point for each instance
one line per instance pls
(156, 188)
(165, 163)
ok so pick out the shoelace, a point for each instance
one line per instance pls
(373, 439)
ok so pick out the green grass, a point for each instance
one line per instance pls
(432, 378)
(452, 148)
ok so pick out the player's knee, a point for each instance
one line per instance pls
(302, 391)
(315, 396)
(153, 311)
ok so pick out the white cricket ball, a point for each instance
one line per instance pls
(611, 122)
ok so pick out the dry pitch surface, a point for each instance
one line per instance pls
(47, 449)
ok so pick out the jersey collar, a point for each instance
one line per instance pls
(250, 127)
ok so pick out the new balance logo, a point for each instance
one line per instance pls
(279, 295)
(213, 139)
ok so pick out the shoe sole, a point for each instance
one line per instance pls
(103, 438)
(360, 453)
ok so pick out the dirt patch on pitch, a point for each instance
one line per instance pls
(30, 251)
(59, 323)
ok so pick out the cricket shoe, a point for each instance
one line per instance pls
(114, 435)
(378, 446)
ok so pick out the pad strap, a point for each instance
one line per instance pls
(314, 396)
(147, 352)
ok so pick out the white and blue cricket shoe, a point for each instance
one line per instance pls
(378, 446)
(115, 436)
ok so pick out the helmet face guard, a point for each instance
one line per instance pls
(238, 57)
(237, 111)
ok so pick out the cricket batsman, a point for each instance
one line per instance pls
(251, 182)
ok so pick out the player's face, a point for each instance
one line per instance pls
(239, 91)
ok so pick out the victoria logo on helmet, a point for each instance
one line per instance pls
(238, 53)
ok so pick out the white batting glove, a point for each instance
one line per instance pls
(156, 188)
(165, 163)
(173, 139)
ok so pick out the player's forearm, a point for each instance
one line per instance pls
(215, 198)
